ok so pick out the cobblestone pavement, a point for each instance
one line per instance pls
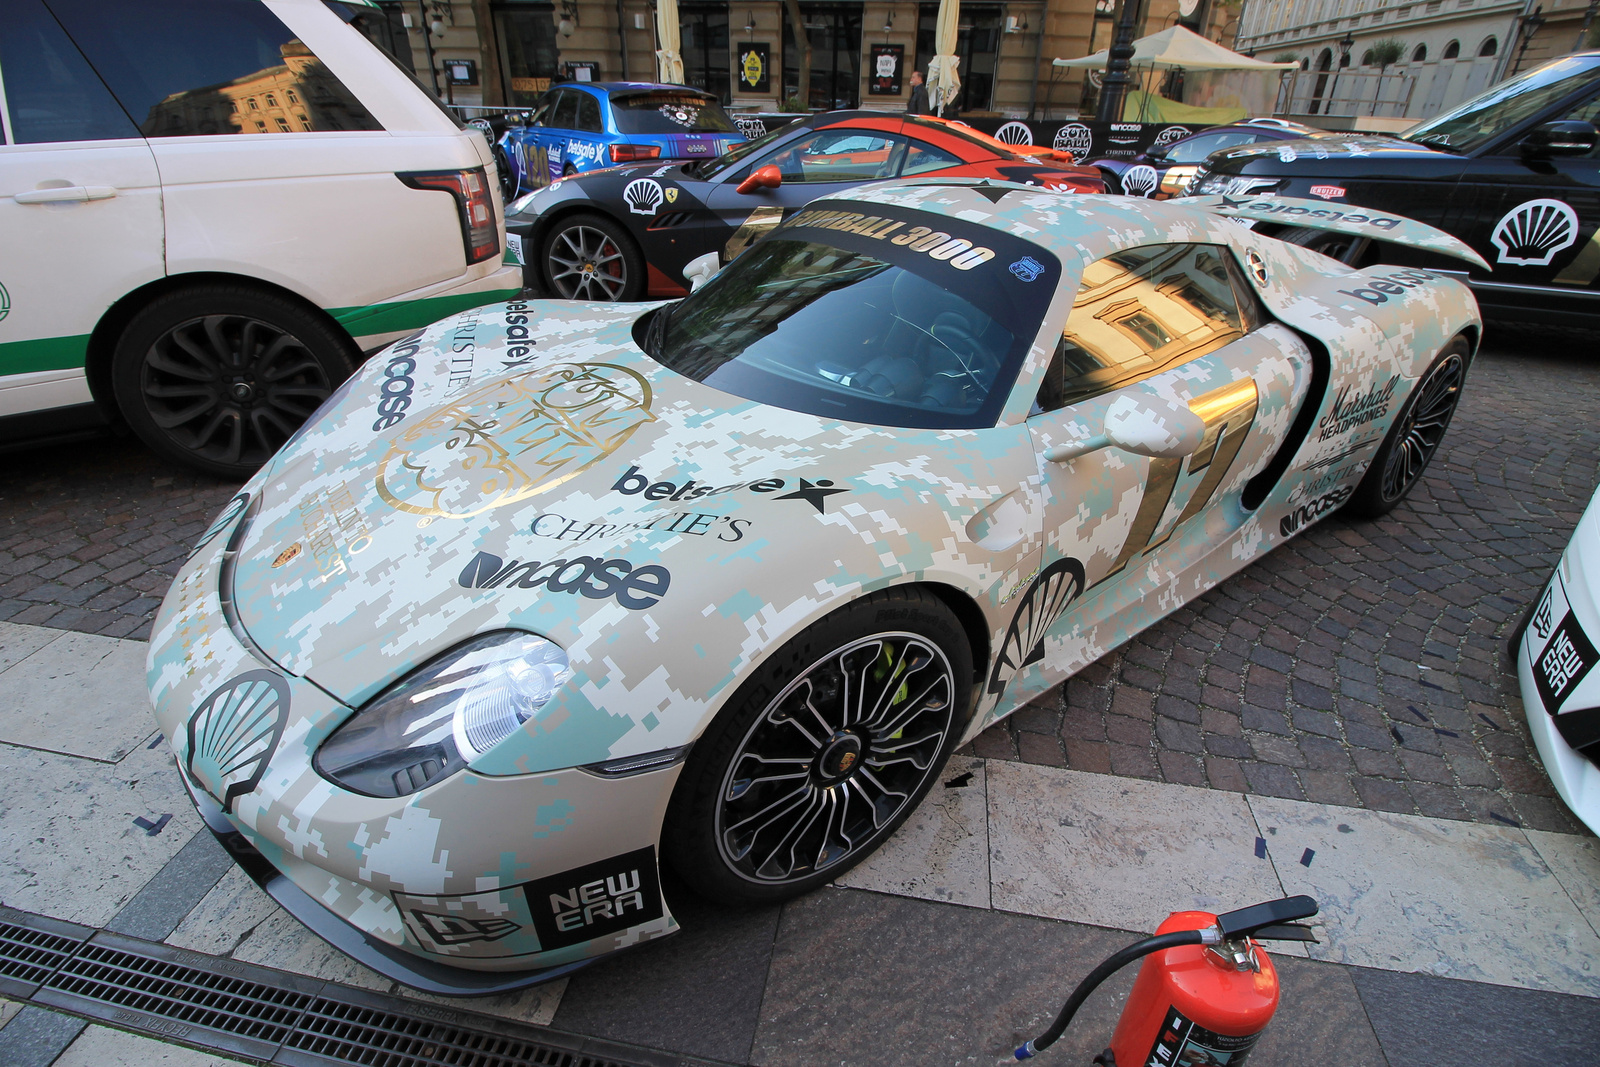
(1362, 664)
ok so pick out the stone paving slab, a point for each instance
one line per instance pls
(101, 1046)
(1432, 896)
(77, 694)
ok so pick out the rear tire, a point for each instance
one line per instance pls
(218, 377)
(1415, 436)
(591, 257)
(823, 752)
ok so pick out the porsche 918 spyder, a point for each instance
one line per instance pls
(552, 593)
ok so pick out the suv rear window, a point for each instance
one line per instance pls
(670, 113)
(51, 93)
(185, 67)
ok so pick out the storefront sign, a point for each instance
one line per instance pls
(753, 73)
(888, 61)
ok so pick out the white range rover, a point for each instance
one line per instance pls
(210, 209)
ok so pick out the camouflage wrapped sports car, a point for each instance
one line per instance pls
(550, 593)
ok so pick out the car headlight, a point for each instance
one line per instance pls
(1231, 185)
(444, 715)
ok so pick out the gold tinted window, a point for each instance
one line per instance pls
(1138, 312)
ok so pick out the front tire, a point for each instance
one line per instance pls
(590, 257)
(1415, 436)
(218, 377)
(823, 752)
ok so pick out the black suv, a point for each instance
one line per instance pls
(1514, 172)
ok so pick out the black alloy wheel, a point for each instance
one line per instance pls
(509, 184)
(823, 753)
(219, 377)
(1415, 437)
(587, 257)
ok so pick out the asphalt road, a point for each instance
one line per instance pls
(1362, 664)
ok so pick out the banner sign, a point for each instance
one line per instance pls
(753, 73)
(888, 62)
(1087, 140)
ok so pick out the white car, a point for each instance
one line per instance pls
(722, 583)
(199, 204)
(1555, 667)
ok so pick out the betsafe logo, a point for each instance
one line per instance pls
(814, 493)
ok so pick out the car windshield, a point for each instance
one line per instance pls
(670, 112)
(867, 314)
(710, 168)
(1490, 114)
(1196, 149)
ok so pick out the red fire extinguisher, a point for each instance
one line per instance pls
(1204, 994)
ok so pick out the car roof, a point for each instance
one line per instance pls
(637, 87)
(1074, 226)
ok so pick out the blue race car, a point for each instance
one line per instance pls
(583, 126)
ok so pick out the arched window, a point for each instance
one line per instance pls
(1420, 55)
(1325, 60)
(1366, 59)
(1489, 47)
(1451, 50)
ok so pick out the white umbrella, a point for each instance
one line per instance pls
(669, 63)
(943, 81)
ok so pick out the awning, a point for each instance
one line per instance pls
(1178, 47)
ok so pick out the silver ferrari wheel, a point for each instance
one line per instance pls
(586, 263)
(835, 757)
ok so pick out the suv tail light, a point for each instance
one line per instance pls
(633, 153)
(480, 232)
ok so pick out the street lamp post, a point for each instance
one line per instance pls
(1346, 43)
(1114, 89)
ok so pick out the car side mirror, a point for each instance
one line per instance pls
(1144, 424)
(1566, 137)
(702, 269)
(767, 177)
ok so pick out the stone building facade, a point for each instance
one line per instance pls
(505, 52)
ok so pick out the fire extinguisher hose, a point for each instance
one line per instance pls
(1138, 950)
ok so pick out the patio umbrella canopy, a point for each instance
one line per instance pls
(1177, 47)
(943, 80)
(669, 62)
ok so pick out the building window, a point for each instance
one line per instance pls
(272, 101)
(703, 33)
(978, 45)
(283, 124)
(293, 99)
(253, 105)
(261, 127)
(529, 57)
(835, 33)
(1366, 58)
(1451, 50)
(1420, 55)
(1489, 47)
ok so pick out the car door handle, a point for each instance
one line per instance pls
(66, 194)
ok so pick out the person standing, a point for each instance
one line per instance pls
(918, 104)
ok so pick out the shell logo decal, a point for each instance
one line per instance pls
(234, 732)
(5, 302)
(1139, 181)
(644, 196)
(1074, 137)
(1530, 234)
(511, 439)
(1014, 133)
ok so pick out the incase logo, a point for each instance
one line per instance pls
(397, 382)
(635, 588)
(1306, 514)
(594, 900)
(1346, 413)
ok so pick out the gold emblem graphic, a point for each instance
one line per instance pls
(672, 195)
(511, 439)
(286, 555)
(752, 67)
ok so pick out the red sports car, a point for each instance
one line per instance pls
(627, 232)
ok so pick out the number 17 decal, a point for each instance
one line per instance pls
(1228, 413)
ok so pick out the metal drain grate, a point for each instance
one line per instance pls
(350, 1033)
(284, 1019)
(28, 957)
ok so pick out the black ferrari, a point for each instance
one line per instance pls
(1514, 172)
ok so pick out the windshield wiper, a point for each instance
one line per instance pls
(1428, 140)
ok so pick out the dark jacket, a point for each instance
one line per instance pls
(918, 104)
